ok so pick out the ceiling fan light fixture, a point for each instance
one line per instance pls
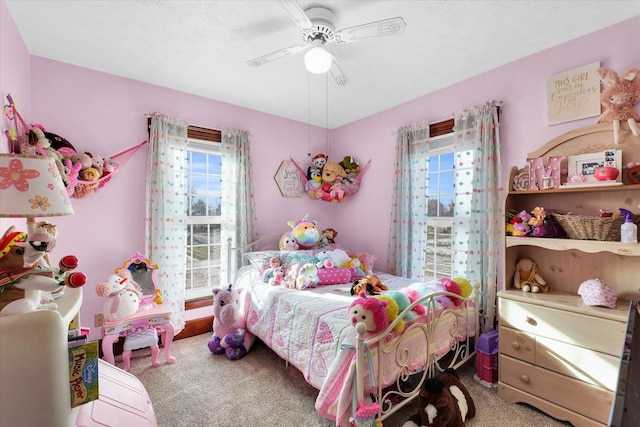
(317, 60)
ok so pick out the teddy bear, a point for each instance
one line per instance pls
(443, 401)
(122, 297)
(618, 97)
(230, 334)
(527, 278)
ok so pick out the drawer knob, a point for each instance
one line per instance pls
(515, 345)
(524, 378)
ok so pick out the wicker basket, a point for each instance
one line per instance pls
(581, 227)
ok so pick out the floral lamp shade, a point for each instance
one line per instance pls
(31, 187)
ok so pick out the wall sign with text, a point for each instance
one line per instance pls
(573, 94)
(289, 180)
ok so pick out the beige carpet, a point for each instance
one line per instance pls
(203, 389)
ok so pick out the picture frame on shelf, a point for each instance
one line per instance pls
(585, 164)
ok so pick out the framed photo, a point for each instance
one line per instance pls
(584, 165)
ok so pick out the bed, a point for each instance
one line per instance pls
(358, 376)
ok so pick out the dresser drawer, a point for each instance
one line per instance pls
(593, 367)
(517, 344)
(593, 402)
(596, 333)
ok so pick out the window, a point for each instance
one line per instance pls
(449, 179)
(203, 217)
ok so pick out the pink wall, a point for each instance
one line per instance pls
(104, 114)
(14, 68)
(520, 85)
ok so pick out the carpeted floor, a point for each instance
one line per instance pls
(202, 389)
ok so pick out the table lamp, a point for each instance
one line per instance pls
(30, 187)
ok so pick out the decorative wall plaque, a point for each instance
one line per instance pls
(288, 179)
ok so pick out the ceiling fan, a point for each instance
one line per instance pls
(318, 29)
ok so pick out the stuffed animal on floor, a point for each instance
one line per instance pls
(230, 335)
(443, 402)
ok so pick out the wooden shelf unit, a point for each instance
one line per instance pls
(556, 353)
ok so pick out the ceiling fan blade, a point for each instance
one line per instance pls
(296, 14)
(386, 27)
(338, 73)
(269, 57)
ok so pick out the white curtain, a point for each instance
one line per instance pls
(238, 209)
(477, 131)
(166, 199)
(409, 203)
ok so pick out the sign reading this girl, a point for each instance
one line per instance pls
(574, 94)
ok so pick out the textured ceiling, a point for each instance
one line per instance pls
(201, 47)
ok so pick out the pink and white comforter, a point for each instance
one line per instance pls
(307, 328)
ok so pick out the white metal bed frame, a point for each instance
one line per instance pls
(460, 352)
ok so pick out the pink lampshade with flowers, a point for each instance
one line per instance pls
(31, 187)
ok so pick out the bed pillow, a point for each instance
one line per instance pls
(334, 276)
(366, 259)
(260, 259)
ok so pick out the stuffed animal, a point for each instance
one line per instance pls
(618, 98)
(288, 243)
(527, 278)
(307, 277)
(403, 302)
(278, 276)
(465, 287)
(267, 274)
(230, 335)
(336, 193)
(393, 310)
(349, 165)
(443, 401)
(122, 298)
(452, 287)
(37, 136)
(27, 281)
(339, 257)
(328, 237)
(319, 160)
(305, 232)
(370, 284)
(414, 296)
(369, 311)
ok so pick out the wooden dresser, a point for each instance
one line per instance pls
(560, 355)
(555, 352)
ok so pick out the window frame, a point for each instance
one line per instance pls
(208, 141)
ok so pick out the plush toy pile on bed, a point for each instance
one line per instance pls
(308, 258)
